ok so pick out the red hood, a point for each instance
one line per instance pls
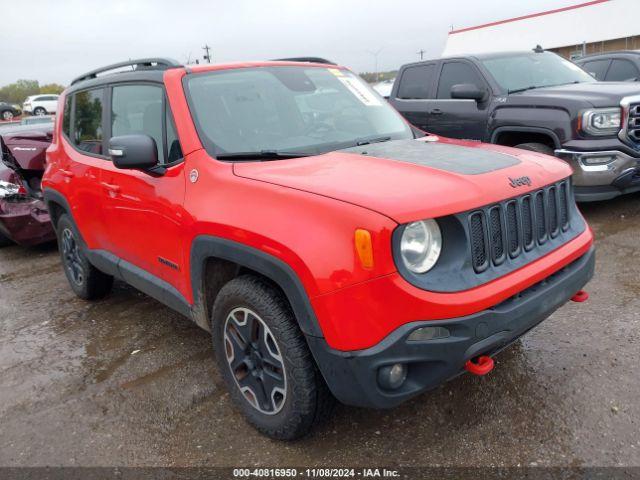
(408, 180)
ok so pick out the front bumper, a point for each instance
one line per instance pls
(352, 376)
(620, 175)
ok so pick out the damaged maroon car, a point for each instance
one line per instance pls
(24, 218)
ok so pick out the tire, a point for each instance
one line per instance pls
(4, 241)
(85, 280)
(277, 359)
(536, 147)
(39, 111)
(7, 115)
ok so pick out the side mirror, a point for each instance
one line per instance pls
(133, 152)
(467, 91)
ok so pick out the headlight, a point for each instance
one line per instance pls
(420, 245)
(602, 121)
(16, 106)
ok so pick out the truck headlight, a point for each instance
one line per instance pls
(602, 121)
(420, 245)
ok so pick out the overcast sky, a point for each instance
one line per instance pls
(56, 40)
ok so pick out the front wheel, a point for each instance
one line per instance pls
(265, 361)
(85, 280)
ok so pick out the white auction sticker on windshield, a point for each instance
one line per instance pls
(361, 92)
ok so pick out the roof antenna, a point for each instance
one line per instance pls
(538, 49)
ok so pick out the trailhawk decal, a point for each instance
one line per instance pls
(451, 158)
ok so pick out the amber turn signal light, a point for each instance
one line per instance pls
(364, 247)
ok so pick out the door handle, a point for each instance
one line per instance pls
(66, 173)
(436, 111)
(110, 187)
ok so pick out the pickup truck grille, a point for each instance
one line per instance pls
(502, 232)
(633, 131)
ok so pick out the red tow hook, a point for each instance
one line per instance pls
(581, 296)
(483, 366)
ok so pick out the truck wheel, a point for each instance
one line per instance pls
(536, 147)
(39, 111)
(86, 281)
(4, 241)
(265, 361)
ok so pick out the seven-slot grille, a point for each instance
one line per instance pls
(633, 131)
(507, 229)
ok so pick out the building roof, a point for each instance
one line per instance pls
(593, 21)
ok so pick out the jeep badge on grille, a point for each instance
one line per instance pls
(520, 181)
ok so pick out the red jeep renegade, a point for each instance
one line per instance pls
(332, 250)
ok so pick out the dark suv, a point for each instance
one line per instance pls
(623, 66)
(533, 100)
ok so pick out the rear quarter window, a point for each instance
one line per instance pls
(66, 116)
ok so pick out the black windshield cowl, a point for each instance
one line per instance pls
(263, 155)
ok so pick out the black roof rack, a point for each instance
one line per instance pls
(305, 59)
(140, 64)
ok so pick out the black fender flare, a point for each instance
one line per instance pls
(542, 130)
(52, 196)
(205, 247)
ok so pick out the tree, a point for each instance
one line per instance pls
(53, 88)
(18, 91)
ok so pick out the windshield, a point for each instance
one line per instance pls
(306, 110)
(534, 70)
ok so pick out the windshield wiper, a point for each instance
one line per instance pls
(518, 90)
(533, 87)
(368, 141)
(261, 155)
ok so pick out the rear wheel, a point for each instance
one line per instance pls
(4, 241)
(7, 115)
(536, 147)
(265, 361)
(39, 111)
(86, 281)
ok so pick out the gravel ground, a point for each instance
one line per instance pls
(125, 381)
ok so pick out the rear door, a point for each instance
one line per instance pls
(597, 68)
(412, 98)
(144, 211)
(84, 156)
(457, 118)
(622, 70)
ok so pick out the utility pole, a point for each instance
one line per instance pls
(207, 57)
(421, 52)
(375, 54)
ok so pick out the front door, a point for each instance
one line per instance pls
(457, 118)
(143, 211)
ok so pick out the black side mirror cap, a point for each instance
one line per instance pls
(137, 152)
(467, 91)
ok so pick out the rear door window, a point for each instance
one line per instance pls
(456, 73)
(87, 124)
(416, 81)
(622, 71)
(597, 68)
